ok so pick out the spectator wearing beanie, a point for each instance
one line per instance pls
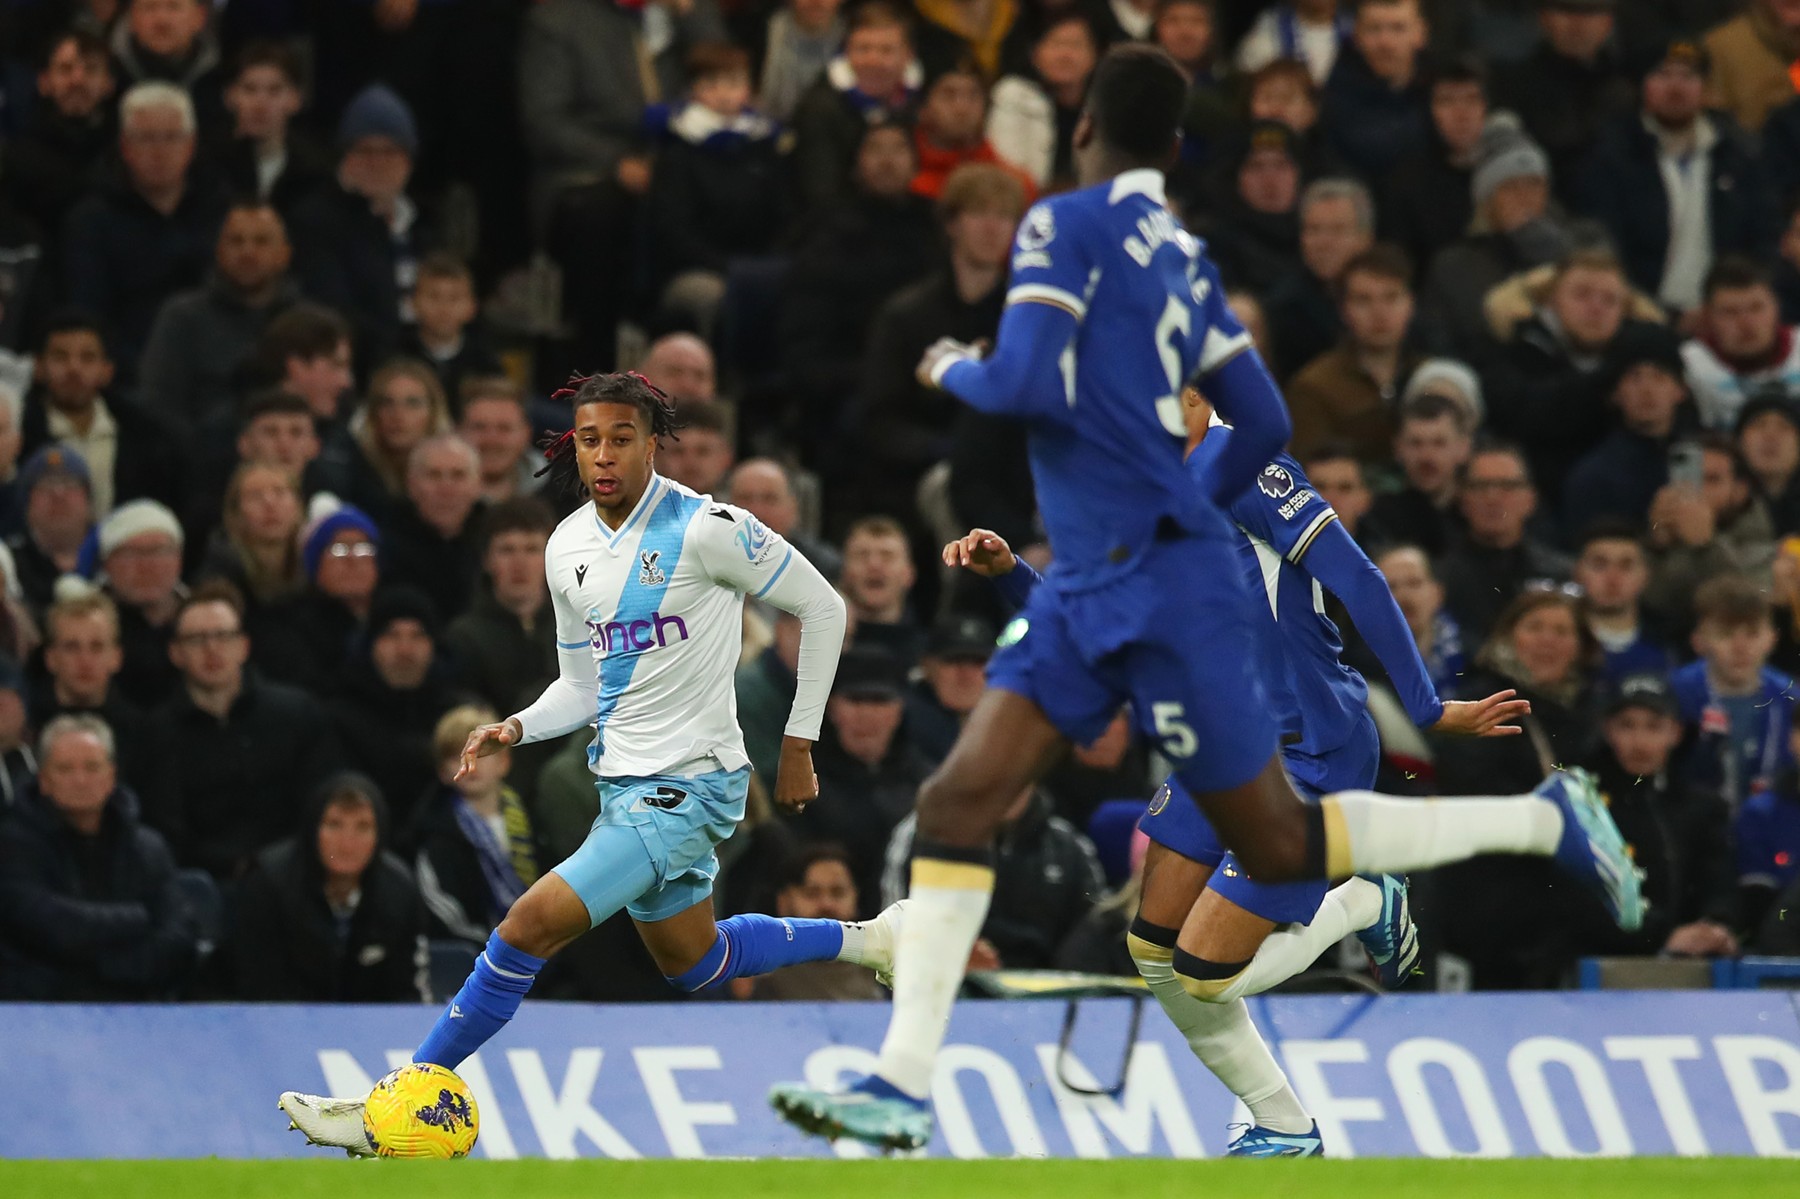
(1619, 477)
(57, 506)
(357, 243)
(1254, 229)
(398, 684)
(1676, 186)
(311, 636)
(138, 551)
(236, 755)
(1513, 231)
(1768, 439)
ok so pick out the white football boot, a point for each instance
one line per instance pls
(333, 1123)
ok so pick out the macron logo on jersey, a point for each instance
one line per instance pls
(636, 636)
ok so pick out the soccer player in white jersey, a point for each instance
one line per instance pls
(648, 582)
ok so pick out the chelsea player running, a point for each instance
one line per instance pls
(1196, 896)
(648, 583)
(1112, 308)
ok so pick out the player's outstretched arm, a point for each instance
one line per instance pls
(487, 739)
(983, 551)
(1021, 376)
(1340, 565)
(743, 554)
(986, 553)
(571, 700)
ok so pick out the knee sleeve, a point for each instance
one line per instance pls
(1211, 982)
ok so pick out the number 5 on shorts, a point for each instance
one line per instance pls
(1178, 740)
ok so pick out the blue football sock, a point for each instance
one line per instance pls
(486, 1002)
(753, 944)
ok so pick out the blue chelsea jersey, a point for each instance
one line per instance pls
(1106, 455)
(1322, 700)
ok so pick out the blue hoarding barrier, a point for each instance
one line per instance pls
(1573, 1074)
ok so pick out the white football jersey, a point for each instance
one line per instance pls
(655, 611)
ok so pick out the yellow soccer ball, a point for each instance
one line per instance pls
(421, 1110)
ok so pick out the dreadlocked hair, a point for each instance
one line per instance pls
(625, 387)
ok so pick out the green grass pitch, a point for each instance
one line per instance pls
(1641, 1178)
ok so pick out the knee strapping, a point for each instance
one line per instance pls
(1150, 943)
(1211, 982)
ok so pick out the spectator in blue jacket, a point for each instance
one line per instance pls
(89, 904)
(1768, 838)
(1737, 709)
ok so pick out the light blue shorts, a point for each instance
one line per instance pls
(650, 851)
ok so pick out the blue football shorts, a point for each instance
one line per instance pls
(651, 849)
(1176, 822)
(1174, 638)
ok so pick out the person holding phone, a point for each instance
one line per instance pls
(1705, 522)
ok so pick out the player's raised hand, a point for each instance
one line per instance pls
(983, 551)
(796, 783)
(1484, 717)
(487, 739)
(942, 351)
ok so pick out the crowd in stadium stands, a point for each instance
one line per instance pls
(284, 289)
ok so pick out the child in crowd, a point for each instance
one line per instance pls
(448, 334)
(477, 853)
(1736, 708)
(1612, 571)
(719, 192)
